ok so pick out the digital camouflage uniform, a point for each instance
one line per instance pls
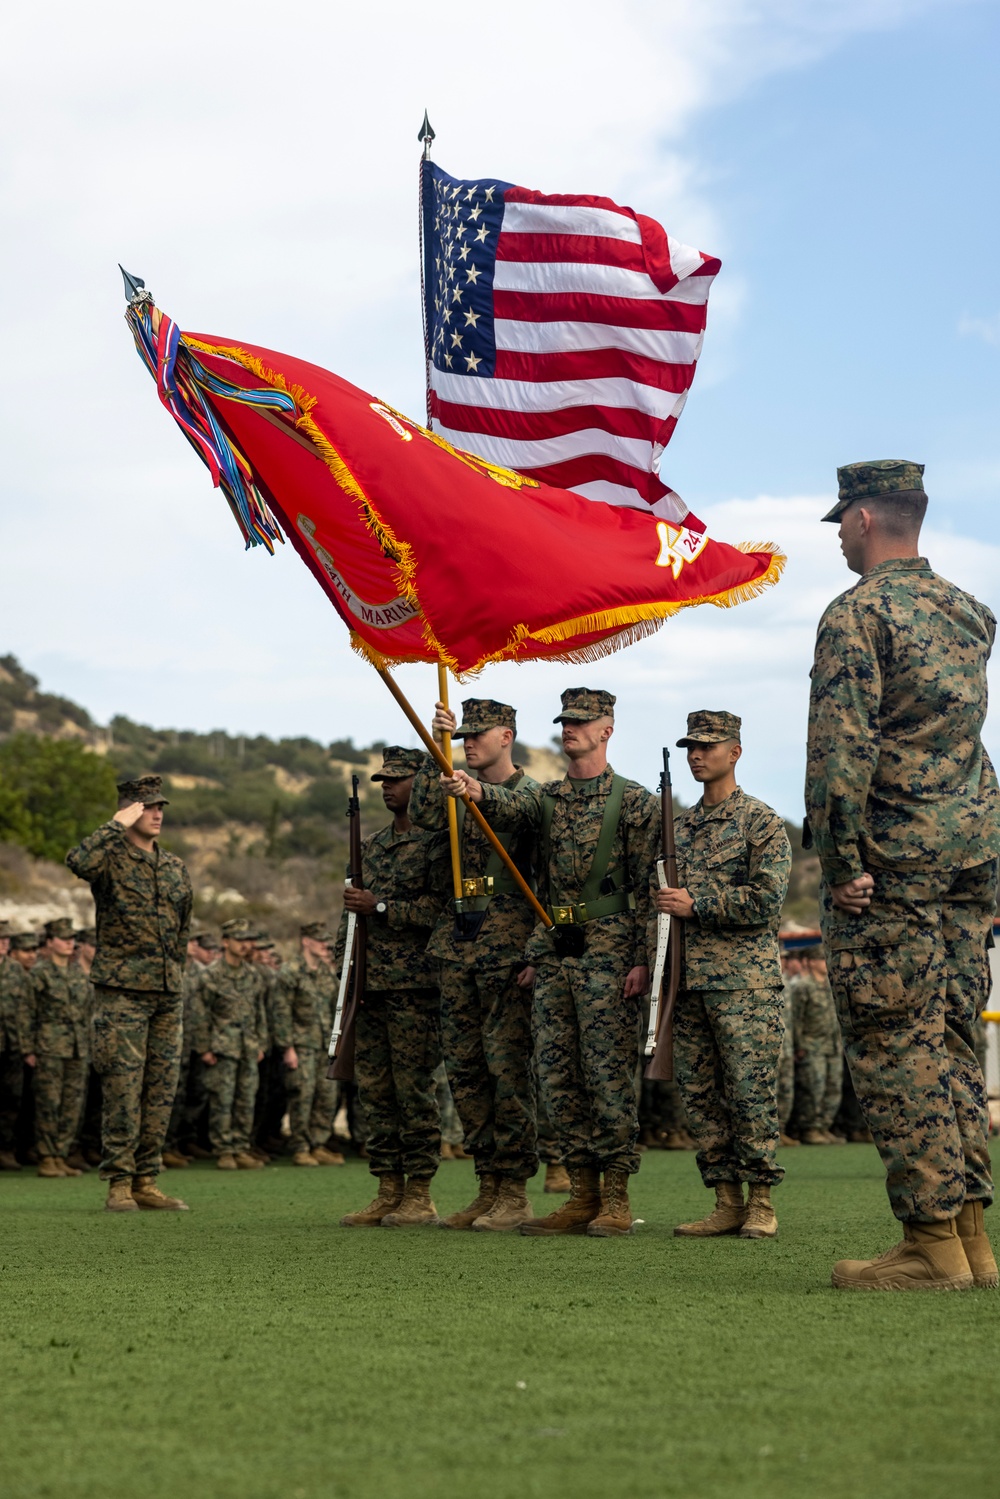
(143, 902)
(734, 859)
(16, 1007)
(586, 1033)
(820, 1052)
(898, 785)
(234, 1030)
(180, 1114)
(398, 1025)
(485, 1015)
(786, 1057)
(303, 1001)
(62, 1011)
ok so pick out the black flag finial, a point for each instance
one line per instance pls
(133, 284)
(426, 135)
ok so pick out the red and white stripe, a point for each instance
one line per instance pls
(599, 317)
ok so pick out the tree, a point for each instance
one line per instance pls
(52, 792)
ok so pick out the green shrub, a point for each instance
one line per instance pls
(52, 793)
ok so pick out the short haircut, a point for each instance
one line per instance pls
(900, 513)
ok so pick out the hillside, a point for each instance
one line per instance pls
(260, 822)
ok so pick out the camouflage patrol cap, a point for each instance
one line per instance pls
(879, 479)
(61, 927)
(481, 713)
(707, 726)
(209, 942)
(264, 946)
(398, 763)
(4, 929)
(238, 929)
(317, 930)
(25, 942)
(145, 789)
(87, 935)
(584, 704)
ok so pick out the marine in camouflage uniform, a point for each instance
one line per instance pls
(904, 812)
(60, 1042)
(485, 1013)
(192, 1024)
(231, 1041)
(16, 1003)
(595, 842)
(303, 999)
(398, 1035)
(143, 899)
(734, 861)
(819, 1052)
(786, 1060)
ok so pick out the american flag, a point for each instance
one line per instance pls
(562, 335)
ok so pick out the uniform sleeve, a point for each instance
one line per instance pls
(184, 915)
(281, 1010)
(88, 860)
(204, 1016)
(513, 808)
(263, 1020)
(844, 702)
(427, 807)
(24, 1013)
(759, 901)
(34, 1009)
(424, 909)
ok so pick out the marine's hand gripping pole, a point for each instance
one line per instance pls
(434, 749)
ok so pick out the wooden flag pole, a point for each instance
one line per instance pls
(434, 749)
(456, 857)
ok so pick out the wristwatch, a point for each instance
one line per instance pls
(380, 908)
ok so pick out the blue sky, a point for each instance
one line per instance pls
(838, 154)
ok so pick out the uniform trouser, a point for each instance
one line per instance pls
(586, 1049)
(312, 1099)
(910, 976)
(451, 1125)
(137, 1049)
(823, 1073)
(11, 1093)
(60, 1092)
(232, 1089)
(727, 1044)
(786, 1065)
(398, 1050)
(178, 1113)
(272, 1098)
(486, 1033)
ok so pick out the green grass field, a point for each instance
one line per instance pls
(252, 1348)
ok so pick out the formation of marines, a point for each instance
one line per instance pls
(538, 1024)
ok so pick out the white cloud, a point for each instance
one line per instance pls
(988, 329)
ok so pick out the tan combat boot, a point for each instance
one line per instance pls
(416, 1210)
(173, 1161)
(325, 1157)
(388, 1199)
(9, 1161)
(489, 1186)
(931, 1258)
(573, 1216)
(146, 1194)
(615, 1217)
(725, 1218)
(79, 1164)
(67, 1169)
(761, 1221)
(976, 1244)
(227, 1161)
(247, 1162)
(556, 1178)
(814, 1137)
(50, 1167)
(120, 1199)
(510, 1209)
(304, 1158)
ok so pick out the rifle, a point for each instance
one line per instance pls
(669, 948)
(353, 973)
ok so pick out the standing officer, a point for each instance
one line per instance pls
(734, 860)
(904, 812)
(143, 899)
(231, 1045)
(61, 1047)
(303, 1000)
(405, 875)
(596, 838)
(485, 1014)
(15, 1042)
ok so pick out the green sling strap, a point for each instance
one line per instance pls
(592, 902)
(496, 879)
